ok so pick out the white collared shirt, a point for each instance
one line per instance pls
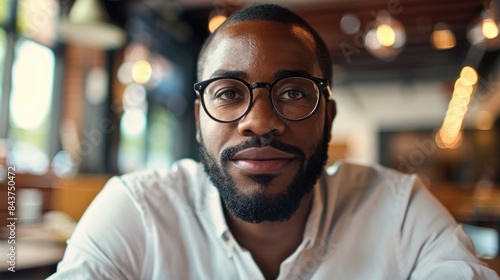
(365, 223)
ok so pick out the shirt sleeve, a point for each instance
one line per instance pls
(437, 247)
(109, 240)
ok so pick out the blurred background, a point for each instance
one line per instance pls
(96, 88)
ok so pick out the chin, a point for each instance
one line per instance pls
(275, 198)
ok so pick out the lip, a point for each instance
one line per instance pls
(260, 161)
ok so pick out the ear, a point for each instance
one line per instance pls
(197, 119)
(331, 112)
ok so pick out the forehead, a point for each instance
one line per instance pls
(261, 47)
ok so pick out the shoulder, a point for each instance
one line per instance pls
(375, 191)
(136, 218)
(184, 176)
(355, 176)
(181, 185)
(183, 170)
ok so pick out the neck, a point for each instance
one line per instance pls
(271, 243)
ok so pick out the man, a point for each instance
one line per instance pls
(261, 204)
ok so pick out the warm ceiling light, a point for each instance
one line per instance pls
(455, 110)
(483, 30)
(449, 135)
(452, 118)
(450, 142)
(386, 35)
(387, 38)
(460, 103)
(442, 38)
(460, 84)
(468, 76)
(489, 28)
(462, 92)
(141, 71)
(215, 22)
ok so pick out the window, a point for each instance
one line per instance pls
(27, 81)
(3, 48)
(30, 104)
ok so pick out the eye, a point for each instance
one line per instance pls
(291, 94)
(228, 95)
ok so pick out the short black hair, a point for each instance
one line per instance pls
(272, 12)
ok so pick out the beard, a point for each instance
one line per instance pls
(259, 207)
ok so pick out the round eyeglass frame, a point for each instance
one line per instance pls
(321, 84)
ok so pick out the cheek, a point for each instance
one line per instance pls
(316, 123)
(214, 134)
(308, 136)
(310, 133)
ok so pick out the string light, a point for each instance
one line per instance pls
(468, 76)
(449, 135)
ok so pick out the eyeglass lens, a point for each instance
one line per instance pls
(293, 98)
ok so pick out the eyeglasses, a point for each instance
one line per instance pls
(294, 98)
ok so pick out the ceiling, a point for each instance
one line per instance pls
(352, 63)
(418, 60)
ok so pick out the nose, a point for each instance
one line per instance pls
(261, 119)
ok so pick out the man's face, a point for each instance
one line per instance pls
(263, 165)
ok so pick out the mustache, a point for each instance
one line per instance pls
(259, 142)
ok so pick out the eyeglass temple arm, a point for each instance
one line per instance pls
(328, 91)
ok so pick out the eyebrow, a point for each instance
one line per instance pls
(288, 73)
(229, 73)
(242, 75)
